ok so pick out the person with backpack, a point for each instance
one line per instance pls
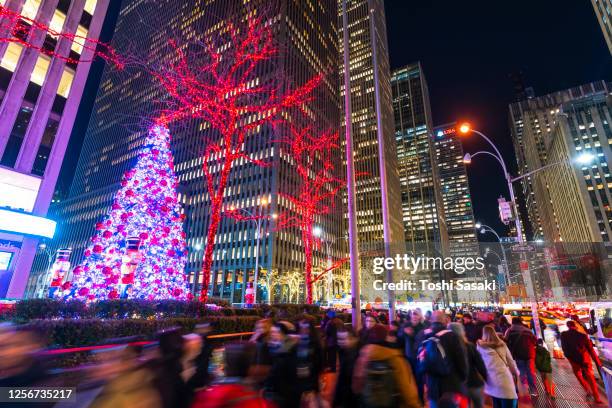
(522, 344)
(443, 361)
(477, 374)
(234, 390)
(382, 377)
(543, 364)
(578, 349)
(502, 371)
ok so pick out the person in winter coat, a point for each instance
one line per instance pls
(234, 390)
(522, 344)
(281, 385)
(501, 370)
(309, 359)
(543, 364)
(477, 374)
(168, 369)
(331, 340)
(408, 336)
(262, 360)
(473, 331)
(453, 384)
(344, 397)
(579, 351)
(377, 353)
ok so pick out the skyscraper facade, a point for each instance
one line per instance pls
(304, 34)
(371, 118)
(603, 11)
(422, 203)
(456, 197)
(531, 123)
(39, 99)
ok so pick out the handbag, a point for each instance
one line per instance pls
(512, 373)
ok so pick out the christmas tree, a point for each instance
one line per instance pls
(139, 249)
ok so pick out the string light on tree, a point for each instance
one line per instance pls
(139, 250)
(224, 88)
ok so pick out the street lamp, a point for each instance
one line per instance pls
(318, 232)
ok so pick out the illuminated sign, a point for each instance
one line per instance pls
(440, 133)
(19, 191)
(11, 221)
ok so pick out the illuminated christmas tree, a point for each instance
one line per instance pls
(139, 249)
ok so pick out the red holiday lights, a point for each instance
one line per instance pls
(20, 29)
(224, 88)
(315, 156)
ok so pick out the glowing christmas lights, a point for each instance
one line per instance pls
(21, 29)
(315, 156)
(224, 87)
(139, 250)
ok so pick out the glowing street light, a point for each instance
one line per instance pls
(465, 128)
(585, 158)
(317, 231)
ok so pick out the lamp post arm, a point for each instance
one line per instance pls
(499, 160)
(522, 176)
(499, 155)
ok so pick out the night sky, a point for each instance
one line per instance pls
(468, 49)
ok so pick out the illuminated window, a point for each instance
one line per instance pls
(65, 83)
(40, 70)
(57, 22)
(30, 8)
(11, 57)
(77, 45)
(90, 6)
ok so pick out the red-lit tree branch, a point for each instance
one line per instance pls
(223, 87)
(315, 157)
(334, 266)
(20, 29)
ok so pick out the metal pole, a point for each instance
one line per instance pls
(350, 179)
(381, 163)
(256, 277)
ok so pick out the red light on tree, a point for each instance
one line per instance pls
(223, 88)
(20, 29)
(315, 156)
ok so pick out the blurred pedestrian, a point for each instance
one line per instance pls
(408, 334)
(347, 356)
(382, 377)
(235, 390)
(281, 385)
(579, 351)
(262, 360)
(331, 340)
(543, 364)
(168, 369)
(369, 322)
(477, 374)
(522, 344)
(443, 361)
(309, 361)
(473, 331)
(502, 371)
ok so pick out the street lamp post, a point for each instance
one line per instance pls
(318, 232)
(465, 129)
(484, 229)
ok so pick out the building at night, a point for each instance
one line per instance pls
(372, 120)
(532, 122)
(422, 202)
(39, 99)
(455, 190)
(603, 11)
(305, 33)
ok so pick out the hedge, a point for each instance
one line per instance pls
(86, 332)
(31, 309)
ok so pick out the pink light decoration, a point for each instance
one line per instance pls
(21, 28)
(315, 156)
(223, 89)
(146, 207)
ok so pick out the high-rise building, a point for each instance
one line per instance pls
(581, 191)
(531, 123)
(456, 197)
(304, 33)
(422, 203)
(39, 99)
(371, 118)
(603, 10)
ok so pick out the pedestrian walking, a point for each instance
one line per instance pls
(477, 374)
(543, 362)
(344, 397)
(522, 344)
(579, 351)
(502, 372)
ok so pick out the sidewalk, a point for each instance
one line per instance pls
(569, 392)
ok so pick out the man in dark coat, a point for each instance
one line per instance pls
(579, 351)
(453, 384)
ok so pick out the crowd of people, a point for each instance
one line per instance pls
(433, 359)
